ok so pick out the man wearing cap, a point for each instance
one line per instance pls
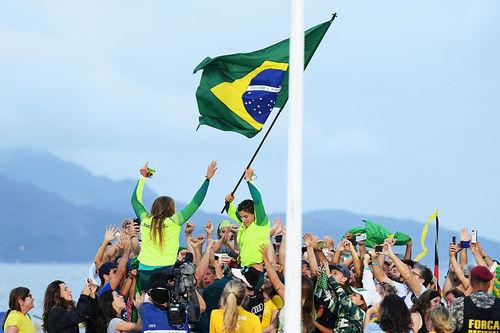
(479, 312)
(330, 282)
(155, 315)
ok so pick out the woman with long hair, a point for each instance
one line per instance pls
(111, 305)
(161, 227)
(307, 302)
(392, 316)
(232, 318)
(60, 314)
(439, 320)
(16, 319)
(429, 300)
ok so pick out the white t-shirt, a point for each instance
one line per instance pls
(404, 291)
(112, 325)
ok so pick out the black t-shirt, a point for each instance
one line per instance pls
(255, 304)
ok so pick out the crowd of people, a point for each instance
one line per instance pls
(231, 279)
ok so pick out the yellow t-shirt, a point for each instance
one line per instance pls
(247, 322)
(269, 307)
(21, 321)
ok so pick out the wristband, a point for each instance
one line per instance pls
(464, 244)
(375, 264)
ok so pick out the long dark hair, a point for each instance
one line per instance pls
(423, 303)
(394, 315)
(53, 299)
(106, 311)
(308, 304)
(162, 208)
(15, 295)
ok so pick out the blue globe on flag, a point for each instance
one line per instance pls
(262, 92)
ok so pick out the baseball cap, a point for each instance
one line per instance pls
(250, 276)
(371, 297)
(159, 288)
(342, 268)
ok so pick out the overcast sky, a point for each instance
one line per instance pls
(401, 99)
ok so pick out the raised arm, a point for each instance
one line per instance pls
(377, 270)
(271, 273)
(410, 279)
(181, 217)
(310, 241)
(109, 235)
(115, 281)
(456, 267)
(475, 248)
(137, 205)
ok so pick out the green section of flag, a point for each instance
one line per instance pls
(226, 78)
(376, 234)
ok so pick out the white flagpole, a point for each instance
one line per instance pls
(294, 194)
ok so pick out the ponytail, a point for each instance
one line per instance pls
(232, 297)
(441, 320)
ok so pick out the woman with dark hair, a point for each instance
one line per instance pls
(60, 314)
(429, 300)
(16, 319)
(111, 305)
(308, 311)
(161, 227)
(393, 316)
(254, 225)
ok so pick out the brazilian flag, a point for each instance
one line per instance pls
(376, 234)
(237, 92)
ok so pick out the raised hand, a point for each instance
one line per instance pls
(212, 167)
(209, 228)
(452, 250)
(110, 233)
(229, 197)
(144, 170)
(248, 174)
(201, 240)
(309, 240)
(263, 251)
(125, 241)
(464, 234)
(189, 228)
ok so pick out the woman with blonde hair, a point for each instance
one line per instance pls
(232, 318)
(439, 320)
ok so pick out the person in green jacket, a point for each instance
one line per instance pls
(161, 227)
(254, 225)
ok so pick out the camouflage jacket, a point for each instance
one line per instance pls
(480, 299)
(349, 315)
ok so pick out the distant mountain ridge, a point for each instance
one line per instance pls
(56, 211)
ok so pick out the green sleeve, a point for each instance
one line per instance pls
(137, 205)
(327, 298)
(233, 213)
(188, 211)
(260, 213)
(344, 300)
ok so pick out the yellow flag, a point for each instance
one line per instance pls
(424, 235)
